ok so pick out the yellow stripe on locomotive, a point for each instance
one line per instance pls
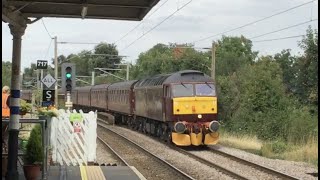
(185, 133)
(195, 105)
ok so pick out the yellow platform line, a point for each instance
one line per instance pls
(83, 173)
(92, 173)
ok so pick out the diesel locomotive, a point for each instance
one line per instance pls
(180, 107)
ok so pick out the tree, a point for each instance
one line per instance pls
(6, 73)
(307, 69)
(233, 53)
(286, 62)
(106, 55)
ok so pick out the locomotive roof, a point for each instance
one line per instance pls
(84, 88)
(177, 77)
(100, 86)
(124, 84)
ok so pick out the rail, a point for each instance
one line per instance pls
(183, 174)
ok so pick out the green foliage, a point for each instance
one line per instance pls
(6, 73)
(24, 106)
(253, 100)
(34, 150)
(273, 149)
(233, 53)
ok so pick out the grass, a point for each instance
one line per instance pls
(248, 143)
(307, 152)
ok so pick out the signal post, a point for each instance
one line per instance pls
(68, 81)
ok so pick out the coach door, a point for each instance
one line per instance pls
(166, 103)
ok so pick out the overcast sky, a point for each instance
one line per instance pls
(199, 19)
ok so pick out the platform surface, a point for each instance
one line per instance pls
(90, 173)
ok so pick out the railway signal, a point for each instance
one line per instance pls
(68, 76)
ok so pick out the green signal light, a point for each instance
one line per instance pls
(68, 75)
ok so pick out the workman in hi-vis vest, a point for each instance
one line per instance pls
(5, 114)
(5, 102)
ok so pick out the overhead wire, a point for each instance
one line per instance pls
(46, 55)
(276, 39)
(289, 27)
(254, 22)
(46, 28)
(134, 28)
(168, 17)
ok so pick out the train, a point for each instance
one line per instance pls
(179, 107)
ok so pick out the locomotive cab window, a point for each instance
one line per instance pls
(205, 90)
(182, 90)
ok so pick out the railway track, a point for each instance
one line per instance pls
(227, 170)
(231, 171)
(254, 165)
(149, 164)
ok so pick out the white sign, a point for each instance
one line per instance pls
(48, 80)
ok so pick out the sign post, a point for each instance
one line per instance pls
(48, 95)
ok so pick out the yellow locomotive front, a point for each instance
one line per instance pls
(194, 114)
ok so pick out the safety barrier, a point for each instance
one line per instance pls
(73, 138)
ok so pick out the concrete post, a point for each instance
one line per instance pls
(92, 79)
(56, 71)
(213, 63)
(17, 32)
(128, 71)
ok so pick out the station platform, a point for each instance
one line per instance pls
(91, 173)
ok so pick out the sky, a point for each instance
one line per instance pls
(197, 20)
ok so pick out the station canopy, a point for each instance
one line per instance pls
(92, 9)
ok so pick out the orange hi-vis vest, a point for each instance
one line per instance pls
(5, 107)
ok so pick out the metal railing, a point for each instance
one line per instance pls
(45, 126)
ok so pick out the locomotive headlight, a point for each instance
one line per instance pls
(180, 127)
(199, 116)
(214, 126)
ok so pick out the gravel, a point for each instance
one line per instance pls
(149, 167)
(200, 171)
(296, 169)
(183, 162)
(104, 155)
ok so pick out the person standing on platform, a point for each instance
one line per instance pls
(5, 114)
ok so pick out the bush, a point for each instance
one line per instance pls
(24, 106)
(274, 149)
(34, 149)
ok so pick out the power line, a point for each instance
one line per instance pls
(46, 28)
(251, 23)
(289, 27)
(276, 39)
(157, 24)
(46, 55)
(78, 43)
(134, 28)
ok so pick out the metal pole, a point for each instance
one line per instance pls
(17, 32)
(127, 71)
(92, 80)
(38, 82)
(213, 63)
(56, 71)
(41, 77)
(44, 146)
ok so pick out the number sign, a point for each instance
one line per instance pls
(42, 64)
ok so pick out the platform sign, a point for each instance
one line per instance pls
(48, 80)
(48, 95)
(42, 64)
(77, 127)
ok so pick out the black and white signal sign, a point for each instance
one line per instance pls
(42, 64)
(48, 95)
